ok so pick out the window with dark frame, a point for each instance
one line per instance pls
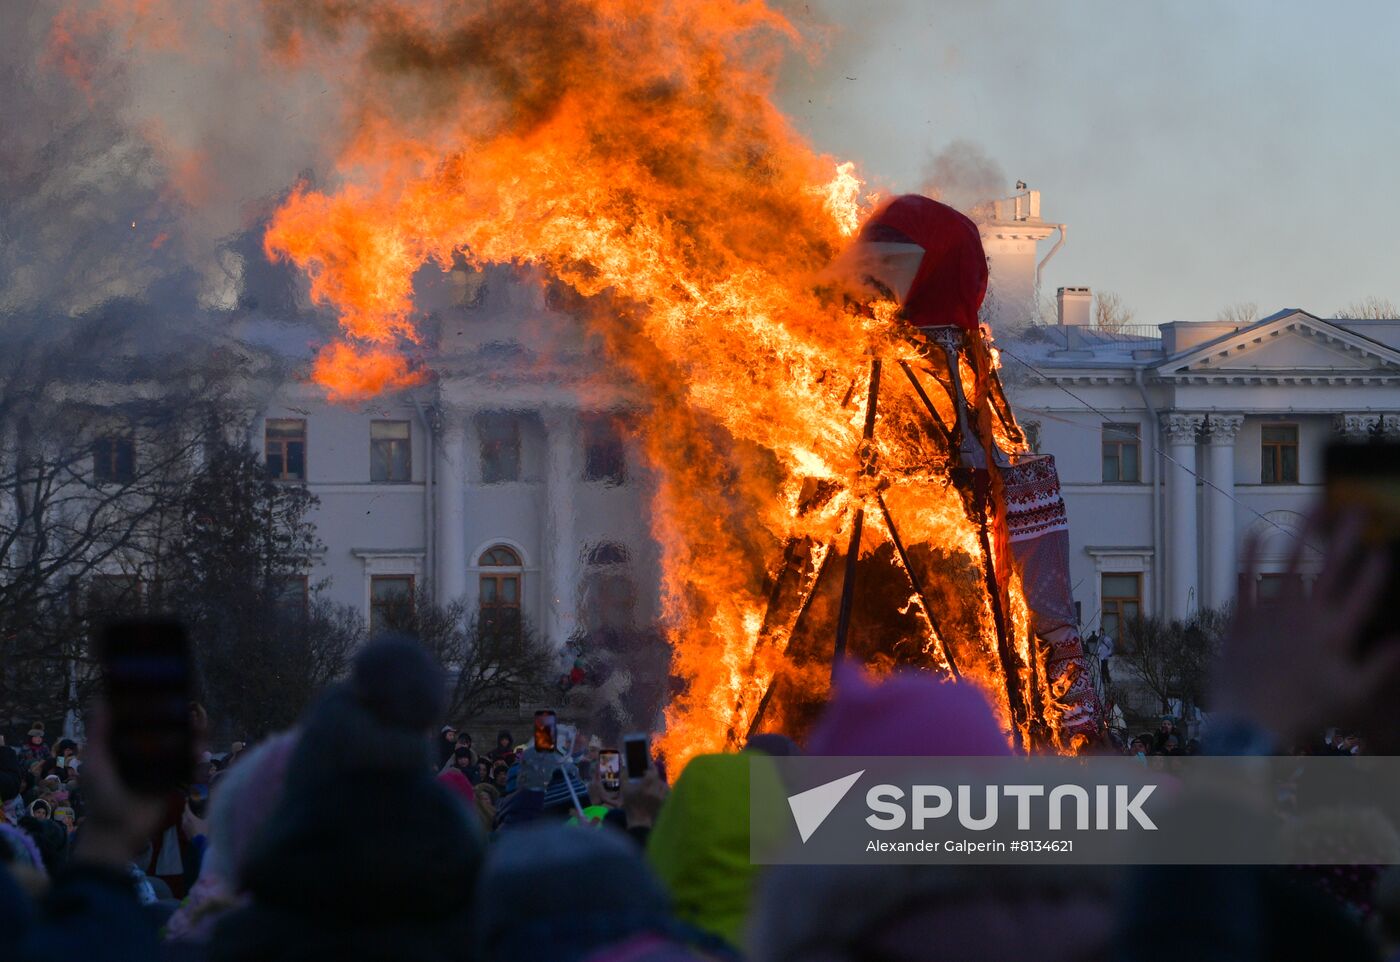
(499, 601)
(294, 596)
(500, 447)
(387, 595)
(604, 455)
(1278, 454)
(284, 447)
(390, 457)
(114, 459)
(1122, 453)
(1120, 603)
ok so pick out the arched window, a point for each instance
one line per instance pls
(500, 591)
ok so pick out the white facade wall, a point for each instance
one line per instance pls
(510, 354)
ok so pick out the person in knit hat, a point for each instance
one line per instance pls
(608, 898)
(239, 807)
(366, 856)
(906, 714)
(35, 749)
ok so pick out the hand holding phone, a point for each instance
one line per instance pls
(546, 731)
(610, 769)
(146, 669)
(637, 751)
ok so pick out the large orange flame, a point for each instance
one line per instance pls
(633, 150)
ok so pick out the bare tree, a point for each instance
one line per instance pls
(1240, 312)
(265, 645)
(1171, 659)
(1369, 308)
(1110, 313)
(489, 666)
(96, 445)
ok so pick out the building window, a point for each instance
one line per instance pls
(114, 459)
(389, 459)
(390, 599)
(500, 447)
(294, 596)
(500, 592)
(1121, 453)
(1279, 454)
(604, 457)
(1120, 603)
(284, 445)
(1270, 589)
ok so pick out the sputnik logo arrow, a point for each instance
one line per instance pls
(810, 808)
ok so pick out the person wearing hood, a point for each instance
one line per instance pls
(699, 846)
(446, 744)
(505, 748)
(366, 855)
(50, 837)
(461, 760)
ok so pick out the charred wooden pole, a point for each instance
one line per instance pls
(976, 470)
(806, 603)
(848, 583)
(917, 585)
(933, 414)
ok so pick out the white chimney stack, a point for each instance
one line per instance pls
(1074, 304)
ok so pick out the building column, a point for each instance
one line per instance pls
(1179, 430)
(450, 473)
(563, 470)
(1221, 431)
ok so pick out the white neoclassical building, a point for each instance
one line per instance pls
(1176, 444)
(506, 480)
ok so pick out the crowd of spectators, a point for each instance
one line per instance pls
(371, 830)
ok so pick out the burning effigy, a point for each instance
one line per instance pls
(990, 604)
(838, 474)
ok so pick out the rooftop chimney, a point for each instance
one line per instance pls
(1073, 304)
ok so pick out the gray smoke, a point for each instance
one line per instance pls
(141, 181)
(963, 176)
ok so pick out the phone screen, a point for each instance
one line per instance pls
(545, 729)
(610, 769)
(146, 667)
(638, 750)
(1366, 477)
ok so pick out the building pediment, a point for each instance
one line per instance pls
(1290, 346)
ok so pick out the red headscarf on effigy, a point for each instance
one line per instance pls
(952, 277)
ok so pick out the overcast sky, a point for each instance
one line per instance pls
(1202, 153)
